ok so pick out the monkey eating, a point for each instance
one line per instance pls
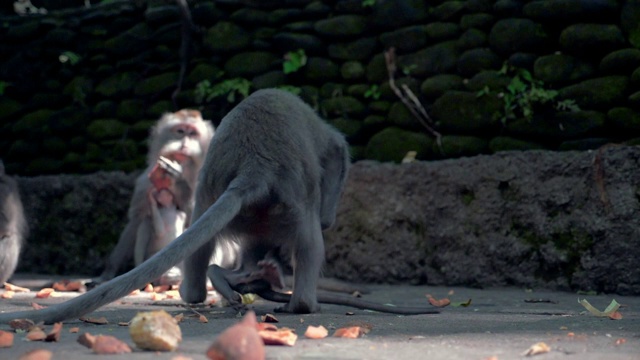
(13, 226)
(162, 200)
(270, 183)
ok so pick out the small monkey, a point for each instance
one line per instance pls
(162, 200)
(13, 226)
(270, 183)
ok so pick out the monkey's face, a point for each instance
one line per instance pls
(186, 141)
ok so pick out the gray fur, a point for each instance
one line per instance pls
(13, 226)
(271, 181)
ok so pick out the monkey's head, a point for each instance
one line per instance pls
(182, 136)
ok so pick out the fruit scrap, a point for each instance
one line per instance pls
(21, 324)
(97, 321)
(8, 294)
(239, 342)
(36, 334)
(86, 340)
(351, 332)
(15, 288)
(269, 318)
(67, 285)
(535, 349)
(282, 336)
(6, 339)
(155, 330)
(45, 293)
(107, 344)
(438, 303)
(316, 332)
(37, 354)
(54, 334)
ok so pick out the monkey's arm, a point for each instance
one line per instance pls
(143, 238)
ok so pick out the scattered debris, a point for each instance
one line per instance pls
(107, 344)
(316, 332)
(535, 349)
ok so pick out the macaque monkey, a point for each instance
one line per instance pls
(13, 226)
(270, 184)
(162, 201)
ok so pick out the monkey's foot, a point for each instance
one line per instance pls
(299, 307)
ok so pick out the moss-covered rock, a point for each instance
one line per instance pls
(203, 71)
(60, 36)
(464, 112)
(252, 63)
(121, 83)
(630, 20)
(553, 11)
(156, 84)
(9, 107)
(360, 49)
(449, 10)
(471, 39)
(560, 68)
(33, 122)
(584, 144)
(435, 86)
(441, 31)
(476, 60)
(624, 118)
(603, 92)
(226, 36)
(379, 106)
(130, 42)
(436, 59)
(456, 146)
(377, 69)
(350, 128)
(352, 70)
(130, 109)
(402, 117)
(269, 79)
(342, 105)
(403, 13)
(482, 21)
(392, 144)
(320, 69)
(23, 31)
(492, 80)
(406, 39)
(102, 129)
(251, 16)
(634, 99)
(342, 25)
(591, 40)
(508, 36)
(621, 62)
(506, 143)
(292, 41)
(559, 126)
(157, 15)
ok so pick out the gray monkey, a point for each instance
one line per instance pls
(13, 226)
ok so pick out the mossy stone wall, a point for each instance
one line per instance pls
(81, 87)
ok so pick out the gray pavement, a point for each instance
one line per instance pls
(500, 323)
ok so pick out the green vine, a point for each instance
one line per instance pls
(524, 93)
(368, 3)
(231, 88)
(293, 61)
(373, 92)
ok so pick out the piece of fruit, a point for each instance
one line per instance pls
(155, 330)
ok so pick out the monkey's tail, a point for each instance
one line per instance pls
(212, 221)
(338, 299)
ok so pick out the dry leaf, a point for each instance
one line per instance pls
(462, 304)
(74, 330)
(269, 318)
(97, 321)
(107, 344)
(15, 288)
(8, 294)
(37, 354)
(240, 341)
(37, 306)
(45, 293)
(613, 307)
(351, 332)
(438, 303)
(316, 332)
(155, 330)
(54, 334)
(535, 349)
(203, 319)
(86, 340)
(21, 324)
(282, 336)
(6, 339)
(36, 334)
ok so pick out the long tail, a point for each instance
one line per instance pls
(211, 222)
(338, 299)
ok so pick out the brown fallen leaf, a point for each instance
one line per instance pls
(37, 306)
(86, 340)
(74, 330)
(15, 288)
(8, 294)
(352, 332)
(535, 349)
(98, 321)
(107, 344)
(240, 341)
(45, 293)
(21, 324)
(316, 332)
(269, 318)
(155, 330)
(37, 354)
(54, 334)
(438, 303)
(6, 339)
(36, 334)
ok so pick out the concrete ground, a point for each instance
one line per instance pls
(500, 323)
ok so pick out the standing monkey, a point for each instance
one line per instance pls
(270, 183)
(162, 200)
(13, 227)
